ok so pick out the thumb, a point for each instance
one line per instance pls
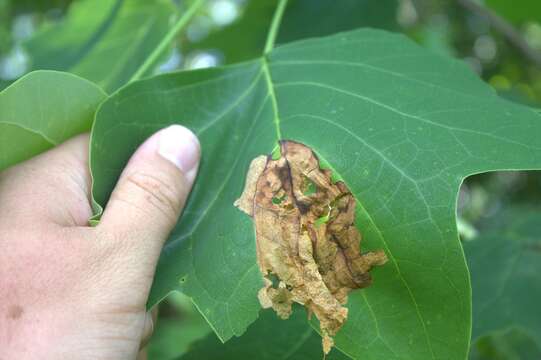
(150, 194)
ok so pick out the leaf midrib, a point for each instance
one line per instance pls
(272, 94)
(35, 132)
(392, 259)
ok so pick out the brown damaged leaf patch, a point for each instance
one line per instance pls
(308, 247)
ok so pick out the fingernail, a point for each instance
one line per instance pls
(180, 146)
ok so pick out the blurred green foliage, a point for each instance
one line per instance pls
(519, 11)
(180, 325)
(511, 344)
(505, 263)
(5, 34)
(268, 338)
(245, 37)
(107, 46)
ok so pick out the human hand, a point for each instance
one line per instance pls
(70, 291)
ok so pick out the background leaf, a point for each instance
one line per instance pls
(316, 18)
(269, 338)
(401, 125)
(177, 329)
(105, 46)
(244, 39)
(505, 263)
(511, 344)
(42, 109)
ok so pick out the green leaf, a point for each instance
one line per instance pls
(505, 264)
(269, 338)
(105, 46)
(42, 109)
(173, 335)
(400, 125)
(512, 344)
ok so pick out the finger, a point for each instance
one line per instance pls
(151, 317)
(30, 190)
(151, 192)
(143, 355)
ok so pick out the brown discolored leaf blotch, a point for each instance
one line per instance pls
(307, 243)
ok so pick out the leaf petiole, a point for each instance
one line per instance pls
(275, 24)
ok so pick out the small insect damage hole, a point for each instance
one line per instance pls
(308, 248)
(309, 187)
(277, 200)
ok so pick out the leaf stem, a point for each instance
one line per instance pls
(275, 24)
(162, 46)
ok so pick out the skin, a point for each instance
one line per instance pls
(70, 291)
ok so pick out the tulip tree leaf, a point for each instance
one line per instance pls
(505, 264)
(107, 45)
(400, 125)
(42, 109)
